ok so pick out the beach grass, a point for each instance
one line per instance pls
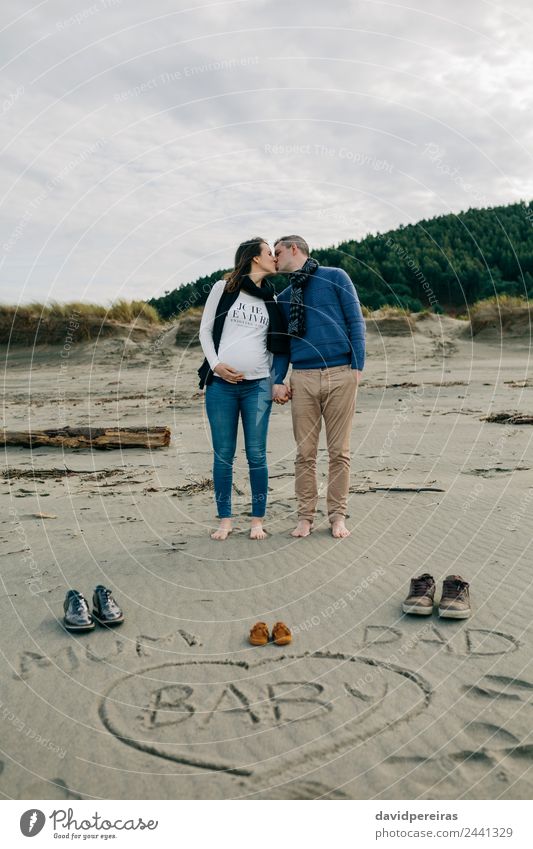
(43, 324)
(507, 313)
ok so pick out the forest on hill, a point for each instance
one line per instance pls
(441, 264)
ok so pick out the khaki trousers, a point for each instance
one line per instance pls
(327, 393)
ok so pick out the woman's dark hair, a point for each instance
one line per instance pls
(243, 262)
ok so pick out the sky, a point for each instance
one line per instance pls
(142, 142)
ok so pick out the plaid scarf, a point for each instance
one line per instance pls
(298, 281)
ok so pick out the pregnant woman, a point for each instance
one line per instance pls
(241, 329)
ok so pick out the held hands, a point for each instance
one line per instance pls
(281, 393)
(228, 373)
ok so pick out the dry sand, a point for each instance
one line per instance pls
(366, 702)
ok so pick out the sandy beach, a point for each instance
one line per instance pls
(175, 704)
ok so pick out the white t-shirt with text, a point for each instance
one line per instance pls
(244, 336)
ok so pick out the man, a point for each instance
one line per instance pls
(327, 352)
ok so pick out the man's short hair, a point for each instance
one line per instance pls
(300, 243)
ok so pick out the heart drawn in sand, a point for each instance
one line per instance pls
(248, 718)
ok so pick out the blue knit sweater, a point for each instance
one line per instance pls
(335, 327)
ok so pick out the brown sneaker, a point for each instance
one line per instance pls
(420, 597)
(455, 599)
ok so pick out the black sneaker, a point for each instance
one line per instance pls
(105, 609)
(77, 616)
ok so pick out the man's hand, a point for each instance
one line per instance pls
(358, 376)
(228, 373)
(281, 393)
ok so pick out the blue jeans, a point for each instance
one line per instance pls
(224, 401)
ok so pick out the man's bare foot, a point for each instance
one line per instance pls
(223, 531)
(256, 531)
(302, 529)
(339, 529)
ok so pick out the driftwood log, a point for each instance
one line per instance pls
(90, 437)
(510, 418)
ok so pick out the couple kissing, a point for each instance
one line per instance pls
(249, 337)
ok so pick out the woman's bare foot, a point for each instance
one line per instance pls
(256, 531)
(302, 529)
(339, 529)
(223, 531)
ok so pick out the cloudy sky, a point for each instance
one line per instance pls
(141, 142)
